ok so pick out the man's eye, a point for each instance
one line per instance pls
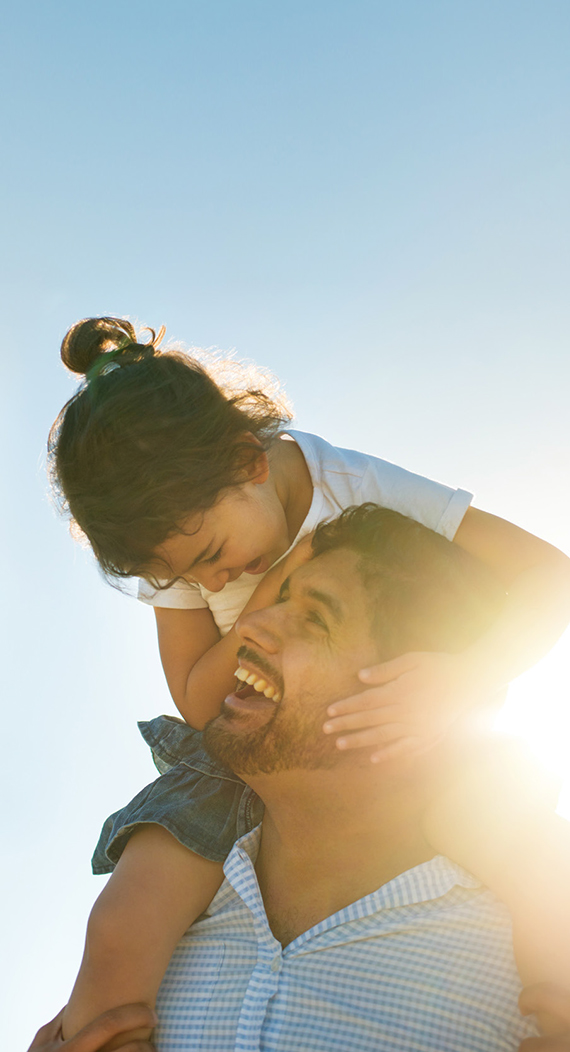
(281, 598)
(214, 558)
(316, 619)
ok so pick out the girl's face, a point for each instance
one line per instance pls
(244, 532)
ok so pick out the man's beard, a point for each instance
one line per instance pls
(288, 741)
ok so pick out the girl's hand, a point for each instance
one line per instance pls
(413, 702)
(552, 1006)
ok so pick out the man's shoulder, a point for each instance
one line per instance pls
(424, 962)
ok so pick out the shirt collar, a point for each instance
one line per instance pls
(424, 883)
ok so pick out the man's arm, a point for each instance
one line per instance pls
(546, 999)
(497, 820)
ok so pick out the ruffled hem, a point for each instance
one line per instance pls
(205, 806)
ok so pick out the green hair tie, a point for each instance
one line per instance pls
(106, 362)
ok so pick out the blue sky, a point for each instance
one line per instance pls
(369, 198)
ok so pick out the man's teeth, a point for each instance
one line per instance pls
(258, 684)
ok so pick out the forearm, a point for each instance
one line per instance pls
(539, 901)
(497, 820)
(209, 681)
(157, 890)
(536, 577)
(536, 612)
(212, 677)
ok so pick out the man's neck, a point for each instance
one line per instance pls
(328, 840)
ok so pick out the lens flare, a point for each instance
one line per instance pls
(538, 710)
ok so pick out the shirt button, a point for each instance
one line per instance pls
(276, 964)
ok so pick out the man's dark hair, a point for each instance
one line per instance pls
(426, 593)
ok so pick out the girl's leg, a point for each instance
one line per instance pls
(157, 890)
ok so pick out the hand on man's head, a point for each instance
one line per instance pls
(102, 1034)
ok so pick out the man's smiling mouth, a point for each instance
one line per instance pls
(257, 682)
(256, 676)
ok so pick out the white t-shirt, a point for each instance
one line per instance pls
(340, 477)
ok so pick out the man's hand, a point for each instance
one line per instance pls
(104, 1032)
(410, 705)
(551, 1003)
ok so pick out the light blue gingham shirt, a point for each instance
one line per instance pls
(424, 964)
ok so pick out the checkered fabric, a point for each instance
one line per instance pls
(424, 964)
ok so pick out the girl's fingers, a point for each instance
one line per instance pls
(376, 698)
(546, 997)
(397, 750)
(388, 669)
(373, 736)
(368, 718)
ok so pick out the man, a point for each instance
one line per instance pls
(336, 928)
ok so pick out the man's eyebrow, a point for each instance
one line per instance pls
(329, 601)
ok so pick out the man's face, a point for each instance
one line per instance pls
(309, 647)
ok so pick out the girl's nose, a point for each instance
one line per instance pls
(216, 582)
(220, 579)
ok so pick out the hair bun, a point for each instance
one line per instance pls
(87, 340)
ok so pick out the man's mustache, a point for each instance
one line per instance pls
(263, 665)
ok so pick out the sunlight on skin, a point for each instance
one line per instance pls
(538, 709)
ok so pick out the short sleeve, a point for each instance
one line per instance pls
(439, 507)
(178, 596)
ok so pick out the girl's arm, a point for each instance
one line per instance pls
(537, 579)
(199, 666)
(415, 698)
(156, 892)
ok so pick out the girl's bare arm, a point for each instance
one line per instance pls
(537, 579)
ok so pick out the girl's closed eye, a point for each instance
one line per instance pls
(214, 558)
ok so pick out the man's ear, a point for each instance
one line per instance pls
(254, 461)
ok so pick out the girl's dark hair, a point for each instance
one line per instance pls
(151, 437)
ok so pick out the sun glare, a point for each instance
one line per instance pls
(538, 710)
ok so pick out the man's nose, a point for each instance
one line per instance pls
(261, 629)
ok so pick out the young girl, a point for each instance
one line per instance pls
(193, 486)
